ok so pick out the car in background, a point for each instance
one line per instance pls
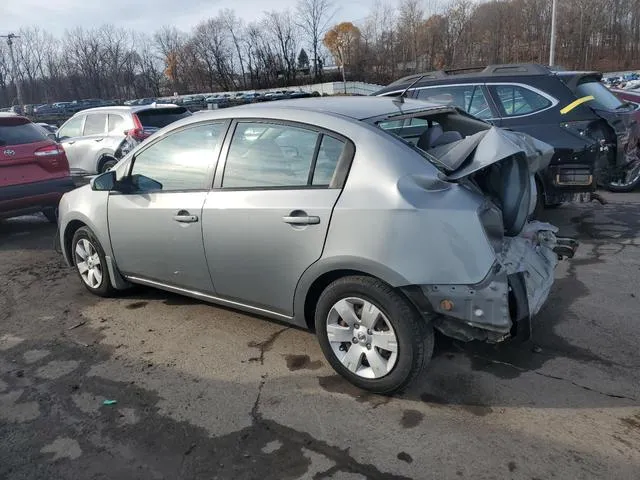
(194, 102)
(263, 208)
(57, 108)
(34, 173)
(94, 139)
(572, 111)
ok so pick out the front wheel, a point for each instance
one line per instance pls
(372, 335)
(90, 262)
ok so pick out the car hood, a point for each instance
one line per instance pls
(476, 152)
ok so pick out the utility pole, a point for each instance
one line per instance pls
(552, 48)
(14, 66)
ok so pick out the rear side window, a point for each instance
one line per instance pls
(161, 117)
(469, 98)
(514, 100)
(263, 155)
(13, 133)
(116, 124)
(95, 124)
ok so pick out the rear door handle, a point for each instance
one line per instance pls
(71, 142)
(99, 139)
(308, 220)
(185, 217)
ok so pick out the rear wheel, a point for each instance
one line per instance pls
(626, 181)
(372, 335)
(90, 263)
(106, 164)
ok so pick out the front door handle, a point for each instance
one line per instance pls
(185, 217)
(302, 220)
(71, 142)
(98, 139)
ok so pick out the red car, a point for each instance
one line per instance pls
(34, 172)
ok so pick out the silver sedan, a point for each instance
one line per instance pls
(371, 221)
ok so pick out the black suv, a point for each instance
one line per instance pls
(589, 128)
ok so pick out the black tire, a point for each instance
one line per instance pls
(104, 288)
(415, 337)
(629, 187)
(106, 163)
(51, 214)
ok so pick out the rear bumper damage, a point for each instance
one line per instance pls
(502, 305)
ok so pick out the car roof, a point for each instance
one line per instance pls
(128, 108)
(358, 108)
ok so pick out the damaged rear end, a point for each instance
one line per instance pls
(500, 165)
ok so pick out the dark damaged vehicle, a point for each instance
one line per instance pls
(323, 214)
(590, 130)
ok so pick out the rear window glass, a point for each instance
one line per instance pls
(603, 98)
(161, 117)
(20, 134)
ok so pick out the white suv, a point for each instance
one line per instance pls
(93, 139)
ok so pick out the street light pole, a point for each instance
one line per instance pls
(552, 48)
(14, 66)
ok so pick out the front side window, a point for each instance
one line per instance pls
(73, 128)
(181, 160)
(263, 155)
(515, 100)
(95, 124)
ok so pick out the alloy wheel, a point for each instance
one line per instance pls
(88, 263)
(362, 337)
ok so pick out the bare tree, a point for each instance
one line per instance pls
(283, 30)
(314, 17)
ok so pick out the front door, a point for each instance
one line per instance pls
(156, 228)
(266, 221)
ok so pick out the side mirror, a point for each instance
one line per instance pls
(105, 182)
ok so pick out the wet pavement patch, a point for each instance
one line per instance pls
(301, 362)
(411, 418)
(136, 305)
(405, 457)
(265, 345)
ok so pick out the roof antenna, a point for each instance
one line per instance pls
(400, 98)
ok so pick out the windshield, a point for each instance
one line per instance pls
(603, 98)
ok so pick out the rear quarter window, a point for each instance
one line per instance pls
(514, 100)
(12, 133)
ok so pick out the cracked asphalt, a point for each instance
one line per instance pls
(202, 392)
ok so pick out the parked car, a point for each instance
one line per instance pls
(57, 108)
(49, 130)
(93, 139)
(193, 102)
(317, 213)
(572, 111)
(34, 172)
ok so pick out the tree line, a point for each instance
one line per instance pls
(293, 47)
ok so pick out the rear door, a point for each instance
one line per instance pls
(266, 220)
(92, 143)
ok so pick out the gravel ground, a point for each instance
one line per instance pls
(208, 392)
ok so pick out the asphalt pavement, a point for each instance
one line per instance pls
(156, 386)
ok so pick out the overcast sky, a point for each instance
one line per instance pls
(56, 16)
